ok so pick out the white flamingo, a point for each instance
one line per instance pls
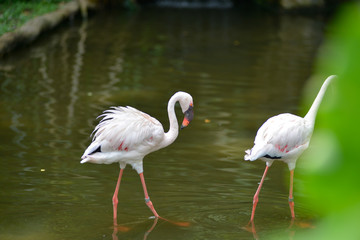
(284, 137)
(125, 135)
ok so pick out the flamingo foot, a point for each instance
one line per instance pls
(304, 225)
(122, 228)
(250, 227)
(180, 224)
(117, 228)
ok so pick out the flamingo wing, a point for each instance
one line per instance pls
(125, 129)
(279, 136)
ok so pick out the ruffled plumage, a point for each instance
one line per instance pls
(121, 131)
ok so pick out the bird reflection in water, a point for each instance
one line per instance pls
(295, 224)
(121, 228)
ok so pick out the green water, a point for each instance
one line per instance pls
(240, 67)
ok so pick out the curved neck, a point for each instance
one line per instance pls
(173, 132)
(311, 115)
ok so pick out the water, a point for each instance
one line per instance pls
(240, 67)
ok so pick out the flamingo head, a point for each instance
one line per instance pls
(187, 107)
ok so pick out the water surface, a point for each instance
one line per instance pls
(240, 67)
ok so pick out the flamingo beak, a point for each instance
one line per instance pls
(189, 115)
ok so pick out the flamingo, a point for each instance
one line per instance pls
(125, 135)
(284, 137)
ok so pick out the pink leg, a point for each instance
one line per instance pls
(291, 198)
(147, 199)
(256, 196)
(115, 196)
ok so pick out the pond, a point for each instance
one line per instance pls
(241, 67)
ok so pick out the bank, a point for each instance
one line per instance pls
(31, 29)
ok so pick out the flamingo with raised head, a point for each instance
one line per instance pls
(125, 135)
(284, 137)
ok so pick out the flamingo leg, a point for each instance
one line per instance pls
(256, 196)
(115, 196)
(147, 198)
(291, 197)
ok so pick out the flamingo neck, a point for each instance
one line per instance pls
(173, 132)
(311, 115)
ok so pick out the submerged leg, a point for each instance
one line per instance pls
(256, 196)
(150, 229)
(147, 198)
(291, 198)
(115, 196)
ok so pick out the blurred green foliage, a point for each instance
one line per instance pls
(336, 184)
(14, 13)
(331, 165)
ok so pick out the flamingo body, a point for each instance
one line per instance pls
(283, 137)
(125, 135)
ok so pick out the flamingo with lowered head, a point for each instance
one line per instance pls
(284, 137)
(125, 135)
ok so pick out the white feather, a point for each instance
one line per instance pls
(128, 128)
(280, 137)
